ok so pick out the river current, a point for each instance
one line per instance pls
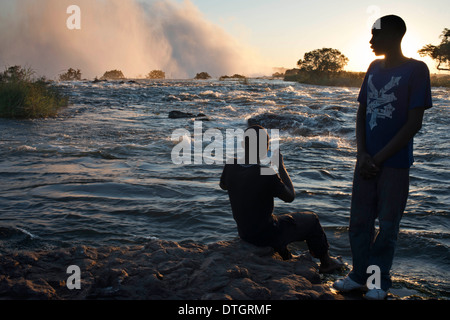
(101, 173)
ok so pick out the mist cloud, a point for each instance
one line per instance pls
(133, 36)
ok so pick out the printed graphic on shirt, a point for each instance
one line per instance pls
(379, 104)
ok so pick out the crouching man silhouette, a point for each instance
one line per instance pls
(252, 202)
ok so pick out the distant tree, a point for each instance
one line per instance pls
(70, 75)
(202, 76)
(323, 60)
(16, 74)
(156, 74)
(440, 53)
(113, 75)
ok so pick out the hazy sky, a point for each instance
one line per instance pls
(284, 30)
(184, 37)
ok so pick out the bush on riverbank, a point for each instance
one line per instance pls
(23, 97)
(440, 80)
(202, 76)
(113, 75)
(71, 75)
(156, 74)
(233, 77)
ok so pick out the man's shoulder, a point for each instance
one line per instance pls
(375, 63)
(230, 162)
(235, 164)
(235, 168)
(411, 63)
(418, 62)
(419, 65)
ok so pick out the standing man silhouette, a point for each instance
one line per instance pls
(395, 93)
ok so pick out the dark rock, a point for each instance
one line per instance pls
(274, 121)
(181, 115)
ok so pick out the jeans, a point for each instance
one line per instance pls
(383, 197)
(293, 227)
(302, 226)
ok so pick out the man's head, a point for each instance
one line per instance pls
(387, 34)
(256, 144)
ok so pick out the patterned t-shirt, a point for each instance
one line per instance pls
(389, 94)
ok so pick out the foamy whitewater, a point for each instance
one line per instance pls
(101, 172)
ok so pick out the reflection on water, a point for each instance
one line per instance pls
(101, 173)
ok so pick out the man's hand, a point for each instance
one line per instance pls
(367, 167)
(289, 193)
(280, 160)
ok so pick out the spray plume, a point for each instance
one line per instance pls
(133, 36)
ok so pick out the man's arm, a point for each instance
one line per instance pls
(288, 195)
(361, 129)
(367, 166)
(222, 184)
(401, 139)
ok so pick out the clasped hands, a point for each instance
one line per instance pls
(368, 168)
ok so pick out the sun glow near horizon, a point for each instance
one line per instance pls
(285, 30)
(361, 55)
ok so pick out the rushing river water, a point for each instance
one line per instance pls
(101, 172)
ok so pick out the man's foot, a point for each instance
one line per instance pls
(284, 253)
(376, 294)
(329, 265)
(347, 284)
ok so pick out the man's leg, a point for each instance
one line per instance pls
(362, 224)
(303, 226)
(392, 194)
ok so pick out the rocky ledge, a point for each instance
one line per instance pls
(162, 270)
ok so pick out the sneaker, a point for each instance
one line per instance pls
(347, 284)
(376, 294)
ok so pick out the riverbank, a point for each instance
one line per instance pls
(347, 79)
(335, 79)
(162, 270)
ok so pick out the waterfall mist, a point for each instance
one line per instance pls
(134, 36)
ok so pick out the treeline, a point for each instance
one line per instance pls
(339, 79)
(325, 67)
(75, 75)
(344, 78)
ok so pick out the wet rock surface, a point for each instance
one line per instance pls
(162, 270)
